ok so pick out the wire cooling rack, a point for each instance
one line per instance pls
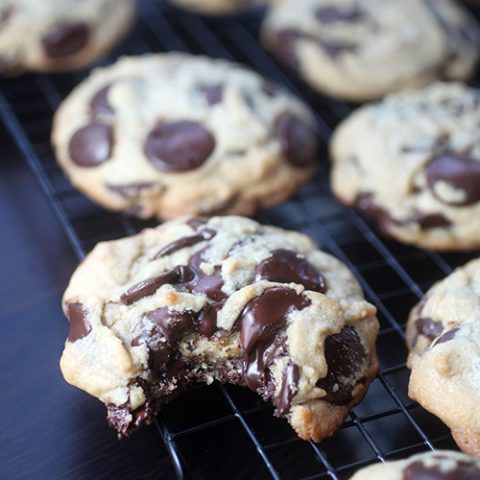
(224, 431)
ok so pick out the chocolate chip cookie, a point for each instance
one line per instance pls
(443, 334)
(227, 299)
(440, 465)
(412, 162)
(217, 7)
(168, 134)
(55, 35)
(362, 49)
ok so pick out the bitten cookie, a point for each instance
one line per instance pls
(440, 465)
(412, 162)
(217, 7)
(225, 299)
(443, 335)
(168, 134)
(362, 49)
(56, 35)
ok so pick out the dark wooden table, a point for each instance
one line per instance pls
(49, 430)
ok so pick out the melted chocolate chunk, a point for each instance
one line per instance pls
(345, 356)
(212, 93)
(149, 286)
(206, 321)
(260, 321)
(285, 266)
(290, 378)
(179, 146)
(457, 170)
(79, 324)
(205, 234)
(65, 40)
(429, 328)
(462, 471)
(196, 222)
(163, 337)
(91, 145)
(297, 139)
(209, 285)
(334, 14)
(447, 336)
(99, 103)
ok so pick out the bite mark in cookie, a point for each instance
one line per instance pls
(200, 300)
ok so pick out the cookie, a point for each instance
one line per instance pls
(362, 49)
(440, 465)
(217, 7)
(224, 299)
(56, 35)
(170, 134)
(443, 335)
(412, 162)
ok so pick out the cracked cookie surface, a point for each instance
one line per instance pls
(412, 162)
(56, 35)
(225, 299)
(439, 465)
(362, 49)
(443, 335)
(170, 134)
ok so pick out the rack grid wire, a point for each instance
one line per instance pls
(222, 431)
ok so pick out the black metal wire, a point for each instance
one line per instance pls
(386, 424)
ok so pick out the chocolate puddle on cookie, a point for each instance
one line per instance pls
(189, 277)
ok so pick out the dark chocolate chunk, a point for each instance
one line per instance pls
(431, 220)
(429, 328)
(334, 48)
(196, 222)
(286, 266)
(297, 139)
(91, 145)
(65, 40)
(149, 286)
(334, 14)
(462, 471)
(179, 146)
(260, 321)
(212, 93)
(345, 357)
(99, 103)
(206, 320)
(205, 234)
(458, 171)
(290, 378)
(209, 285)
(365, 202)
(447, 336)
(79, 325)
